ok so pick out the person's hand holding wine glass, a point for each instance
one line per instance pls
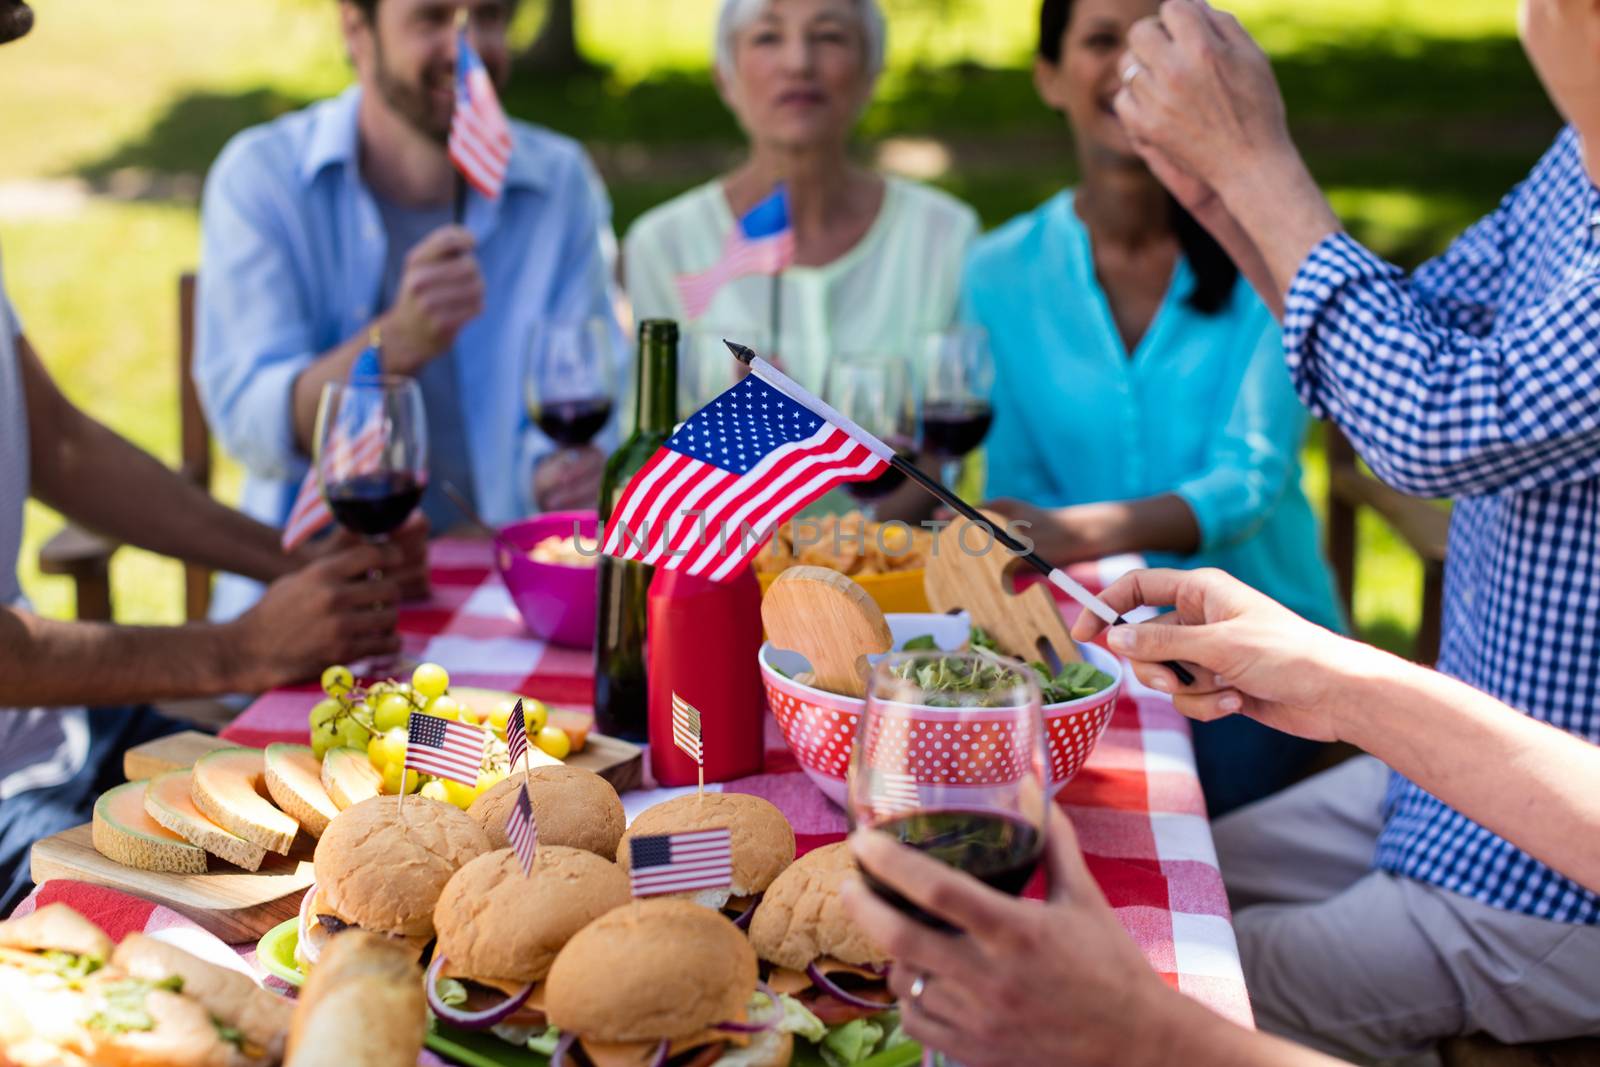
(372, 454)
(571, 385)
(948, 833)
(957, 379)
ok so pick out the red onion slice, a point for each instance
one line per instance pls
(558, 1056)
(743, 921)
(661, 1054)
(308, 948)
(471, 1020)
(758, 1026)
(838, 992)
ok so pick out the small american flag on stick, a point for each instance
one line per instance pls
(686, 729)
(516, 735)
(762, 243)
(480, 135)
(444, 748)
(523, 830)
(680, 863)
(709, 497)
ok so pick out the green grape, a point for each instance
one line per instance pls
(445, 707)
(430, 680)
(352, 734)
(390, 711)
(321, 741)
(324, 711)
(337, 680)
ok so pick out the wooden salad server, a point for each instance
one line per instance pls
(977, 578)
(831, 621)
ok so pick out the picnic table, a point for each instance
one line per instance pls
(1136, 805)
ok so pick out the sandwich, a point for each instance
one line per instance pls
(573, 807)
(762, 842)
(381, 868)
(815, 954)
(362, 1006)
(499, 932)
(662, 982)
(66, 997)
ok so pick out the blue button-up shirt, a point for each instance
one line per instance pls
(292, 264)
(1479, 378)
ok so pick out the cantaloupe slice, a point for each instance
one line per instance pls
(349, 776)
(294, 783)
(228, 788)
(170, 802)
(575, 724)
(122, 832)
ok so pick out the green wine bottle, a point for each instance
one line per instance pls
(621, 690)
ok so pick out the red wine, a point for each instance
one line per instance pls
(374, 504)
(955, 428)
(574, 422)
(998, 850)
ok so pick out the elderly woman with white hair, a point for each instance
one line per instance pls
(877, 259)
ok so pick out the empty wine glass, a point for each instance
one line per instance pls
(571, 379)
(874, 391)
(957, 381)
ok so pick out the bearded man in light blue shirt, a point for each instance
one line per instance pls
(332, 220)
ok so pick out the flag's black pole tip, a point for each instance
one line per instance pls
(1185, 676)
(740, 352)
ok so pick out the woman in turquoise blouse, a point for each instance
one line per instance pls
(1141, 401)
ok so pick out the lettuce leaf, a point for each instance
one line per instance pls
(851, 1043)
(452, 992)
(797, 1019)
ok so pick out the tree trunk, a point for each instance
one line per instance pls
(554, 53)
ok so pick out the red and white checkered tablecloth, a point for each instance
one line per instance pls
(1136, 804)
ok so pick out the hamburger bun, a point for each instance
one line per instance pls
(573, 807)
(801, 918)
(383, 869)
(363, 1006)
(649, 970)
(56, 927)
(763, 840)
(500, 928)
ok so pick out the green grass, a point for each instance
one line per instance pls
(1416, 116)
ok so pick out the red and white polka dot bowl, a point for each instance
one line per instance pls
(820, 726)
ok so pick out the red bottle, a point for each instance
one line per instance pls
(703, 643)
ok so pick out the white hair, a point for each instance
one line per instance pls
(737, 14)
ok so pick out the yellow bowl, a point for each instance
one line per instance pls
(898, 591)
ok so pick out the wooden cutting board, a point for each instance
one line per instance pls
(234, 904)
(619, 762)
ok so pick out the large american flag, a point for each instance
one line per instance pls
(516, 735)
(762, 243)
(442, 747)
(523, 830)
(310, 513)
(680, 863)
(480, 135)
(739, 467)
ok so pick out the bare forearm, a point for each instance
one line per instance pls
(1201, 1038)
(52, 663)
(1523, 779)
(1283, 215)
(1245, 255)
(1154, 524)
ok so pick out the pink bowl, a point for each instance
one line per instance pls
(820, 726)
(557, 602)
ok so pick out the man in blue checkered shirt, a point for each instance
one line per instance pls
(1372, 918)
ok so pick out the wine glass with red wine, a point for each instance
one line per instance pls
(957, 382)
(571, 379)
(874, 391)
(372, 452)
(950, 759)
